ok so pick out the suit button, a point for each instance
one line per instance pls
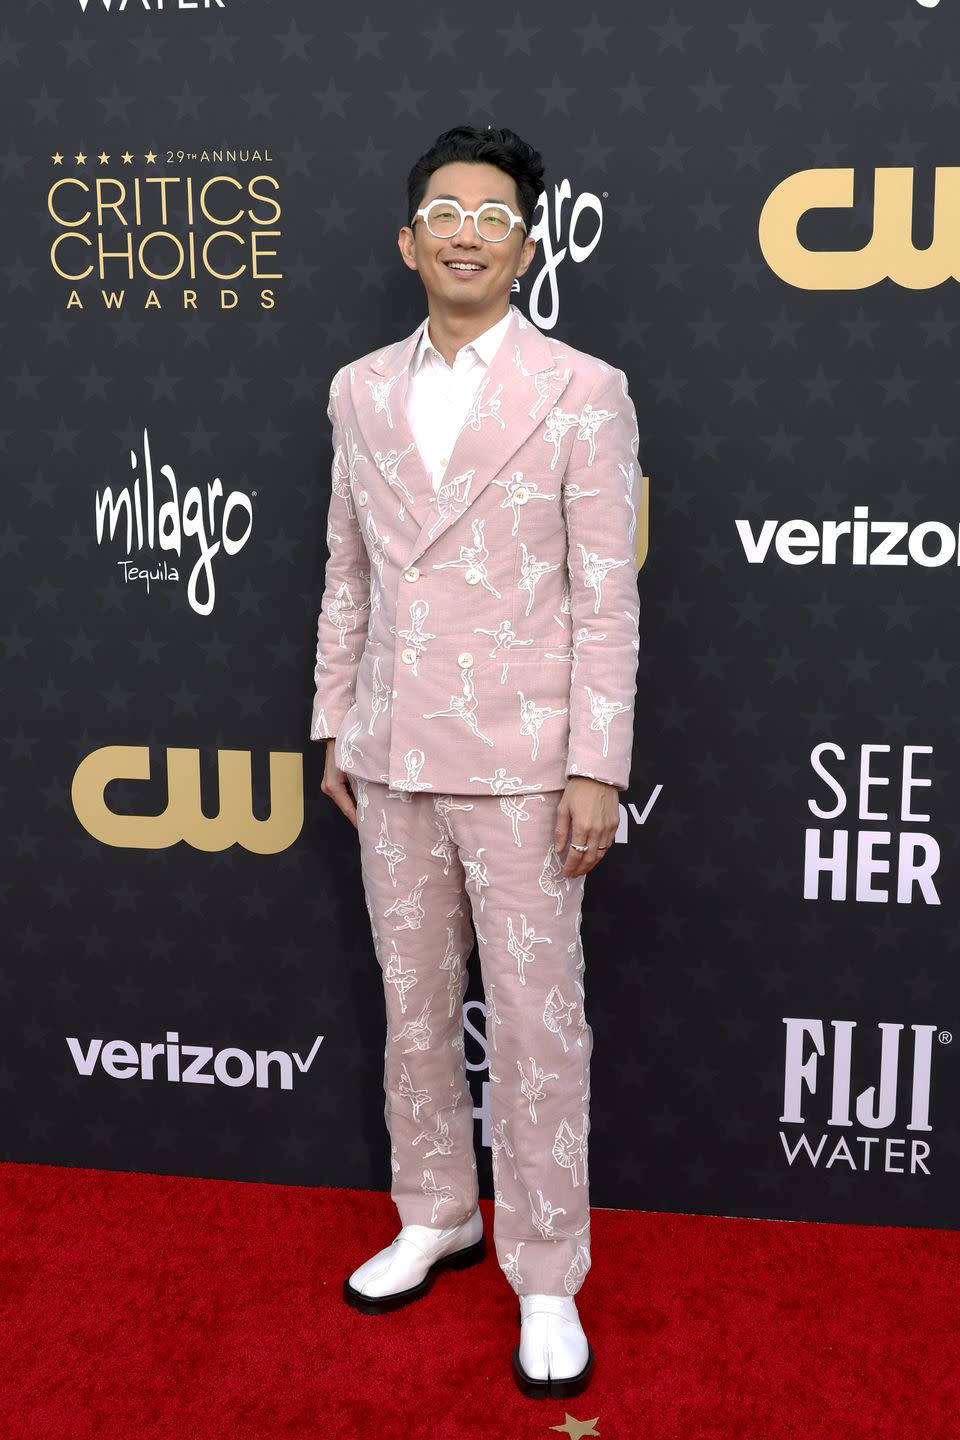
(444, 460)
(464, 658)
(408, 656)
(521, 494)
(471, 576)
(412, 573)
(361, 497)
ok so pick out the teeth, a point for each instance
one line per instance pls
(453, 265)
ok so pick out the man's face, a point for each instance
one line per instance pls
(488, 288)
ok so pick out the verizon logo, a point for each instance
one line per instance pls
(181, 1064)
(860, 541)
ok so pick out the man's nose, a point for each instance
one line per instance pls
(468, 231)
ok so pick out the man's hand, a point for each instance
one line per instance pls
(335, 785)
(589, 812)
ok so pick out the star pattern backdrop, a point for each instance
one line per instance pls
(201, 209)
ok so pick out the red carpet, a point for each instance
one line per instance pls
(151, 1306)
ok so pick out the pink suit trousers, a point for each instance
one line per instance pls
(432, 864)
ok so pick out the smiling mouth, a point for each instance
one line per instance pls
(463, 266)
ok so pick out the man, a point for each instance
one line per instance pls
(475, 684)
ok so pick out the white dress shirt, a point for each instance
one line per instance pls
(439, 395)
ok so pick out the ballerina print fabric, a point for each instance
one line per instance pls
(483, 638)
(436, 870)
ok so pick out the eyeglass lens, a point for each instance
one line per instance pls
(443, 220)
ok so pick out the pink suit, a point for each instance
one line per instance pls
(476, 647)
(483, 640)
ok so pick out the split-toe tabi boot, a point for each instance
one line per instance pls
(405, 1269)
(554, 1357)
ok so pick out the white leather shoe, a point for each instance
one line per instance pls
(554, 1356)
(405, 1269)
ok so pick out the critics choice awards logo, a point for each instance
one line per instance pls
(184, 234)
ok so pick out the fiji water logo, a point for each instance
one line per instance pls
(117, 5)
(839, 1125)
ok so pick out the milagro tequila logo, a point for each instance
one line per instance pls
(553, 227)
(862, 1131)
(147, 522)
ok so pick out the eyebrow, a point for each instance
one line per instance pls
(487, 199)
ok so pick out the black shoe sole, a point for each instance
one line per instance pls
(377, 1304)
(551, 1388)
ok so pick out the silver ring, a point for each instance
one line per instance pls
(578, 847)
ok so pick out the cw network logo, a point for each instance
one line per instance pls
(183, 817)
(889, 254)
(155, 1060)
(861, 541)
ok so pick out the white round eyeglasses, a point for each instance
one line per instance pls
(493, 221)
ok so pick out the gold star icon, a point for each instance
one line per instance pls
(576, 1429)
(150, 157)
(81, 159)
(127, 158)
(57, 158)
(103, 157)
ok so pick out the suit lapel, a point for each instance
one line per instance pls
(520, 386)
(381, 405)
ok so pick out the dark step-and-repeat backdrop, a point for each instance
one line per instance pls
(755, 215)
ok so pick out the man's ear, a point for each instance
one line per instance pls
(526, 254)
(407, 244)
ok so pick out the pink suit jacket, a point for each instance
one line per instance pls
(483, 640)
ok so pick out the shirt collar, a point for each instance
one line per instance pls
(485, 345)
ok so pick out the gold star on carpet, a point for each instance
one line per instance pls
(103, 157)
(150, 157)
(81, 159)
(127, 158)
(576, 1429)
(57, 158)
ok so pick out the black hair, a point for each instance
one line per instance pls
(492, 146)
